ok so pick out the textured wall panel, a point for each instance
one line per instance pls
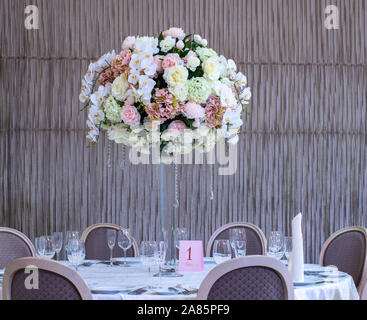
(303, 148)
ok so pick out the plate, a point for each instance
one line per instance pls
(308, 280)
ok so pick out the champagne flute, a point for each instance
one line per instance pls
(124, 242)
(288, 247)
(70, 234)
(222, 251)
(160, 259)
(111, 241)
(57, 241)
(76, 252)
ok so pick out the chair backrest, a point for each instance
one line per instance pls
(363, 290)
(248, 278)
(56, 281)
(14, 245)
(256, 241)
(347, 250)
(95, 239)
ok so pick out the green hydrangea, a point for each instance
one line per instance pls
(112, 109)
(198, 90)
(206, 53)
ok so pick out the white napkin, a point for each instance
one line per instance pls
(296, 261)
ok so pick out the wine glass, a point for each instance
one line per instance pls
(222, 251)
(76, 252)
(288, 247)
(275, 245)
(148, 251)
(47, 246)
(111, 241)
(180, 234)
(70, 235)
(57, 241)
(39, 244)
(124, 242)
(160, 258)
(237, 238)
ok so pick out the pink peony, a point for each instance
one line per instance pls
(178, 126)
(130, 115)
(193, 110)
(158, 63)
(214, 112)
(191, 53)
(174, 33)
(121, 63)
(130, 100)
(129, 42)
(171, 60)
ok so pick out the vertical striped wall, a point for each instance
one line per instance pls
(303, 148)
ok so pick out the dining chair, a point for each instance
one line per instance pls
(14, 244)
(347, 250)
(253, 277)
(256, 241)
(96, 247)
(35, 278)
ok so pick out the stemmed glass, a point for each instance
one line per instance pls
(111, 241)
(148, 252)
(160, 258)
(222, 251)
(275, 245)
(46, 247)
(237, 238)
(124, 242)
(288, 247)
(69, 236)
(76, 252)
(57, 241)
(40, 244)
(179, 234)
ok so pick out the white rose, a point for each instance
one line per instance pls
(167, 44)
(120, 86)
(180, 45)
(211, 69)
(176, 75)
(180, 92)
(193, 62)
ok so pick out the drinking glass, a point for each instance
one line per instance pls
(148, 252)
(40, 244)
(70, 235)
(48, 250)
(160, 258)
(180, 234)
(275, 245)
(76, 252)
(111, 241)
(124, 242)
(222, 251)
(57, 241)
(288, 247)
(237, 238)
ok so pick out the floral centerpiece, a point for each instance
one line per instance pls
(172, 90)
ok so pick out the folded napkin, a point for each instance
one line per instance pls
(296, 261)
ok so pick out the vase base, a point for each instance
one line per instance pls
(169, 273)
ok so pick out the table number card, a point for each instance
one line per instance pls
(191, 256)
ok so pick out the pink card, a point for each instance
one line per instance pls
(191, 256)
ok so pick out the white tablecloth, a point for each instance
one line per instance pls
(119, 282)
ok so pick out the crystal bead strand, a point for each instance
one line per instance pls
(123, 153)
(109, 162)
(176, 203)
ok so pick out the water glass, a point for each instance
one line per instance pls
(222, 251)
(237, 238)
(57, 241)
(148, 253)
(288, 247)
(39, 244)
(69, 236)
(111, 241)
(179, 235)
(160, 258)
(76, 252)
(124, 242)
(276, 245)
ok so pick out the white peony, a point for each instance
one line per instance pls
(211, 69)
(180, 92)
(146, 45)
(176, 75)
(167, 44)
(193, 62)
(120, 87)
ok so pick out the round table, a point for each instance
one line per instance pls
(136, 283)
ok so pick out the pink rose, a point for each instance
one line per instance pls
(130, 115)
(191, 53)
(129, 42)
(177, 126)
(174, 33)
(171, 60)
(193, 110)
(158, 63)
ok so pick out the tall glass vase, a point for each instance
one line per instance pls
(168, 210)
